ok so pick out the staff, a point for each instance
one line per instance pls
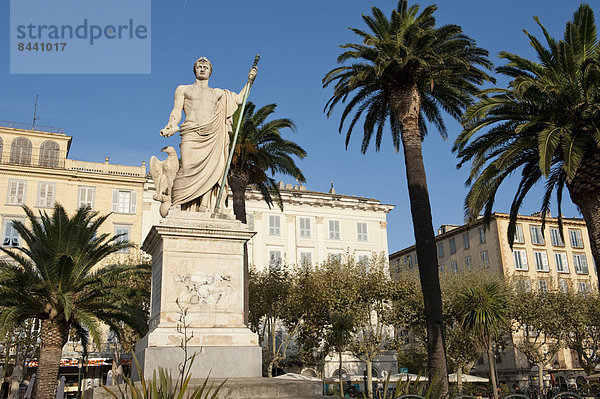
(237, 130)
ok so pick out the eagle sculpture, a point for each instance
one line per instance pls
(163, 173)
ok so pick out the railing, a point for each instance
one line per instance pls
(29, 126)
(31, 160)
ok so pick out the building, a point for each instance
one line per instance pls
(313, 226)
(35, 171)
(536, 262)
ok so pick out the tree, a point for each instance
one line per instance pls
(339, 337)
(484, 310)
(545, 124)
(56, 278)
(579, 316)
(260, 150)
(405, 72)
(534, 315)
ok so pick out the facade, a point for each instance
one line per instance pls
(35, 171)
(536, 262)
(313, 226)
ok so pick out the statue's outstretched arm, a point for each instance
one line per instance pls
(175, 117)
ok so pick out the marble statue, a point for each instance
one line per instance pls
(163, 173)
(204, 138)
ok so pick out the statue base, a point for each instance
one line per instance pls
(198, 295)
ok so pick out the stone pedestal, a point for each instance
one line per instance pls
(197, 261)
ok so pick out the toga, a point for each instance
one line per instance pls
(204, 152)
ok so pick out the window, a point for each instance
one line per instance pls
(305, 258)
(409, 260)
(275, 258)
(46, 194)
(468, 263)
(440, 249)
(124, 201)
(536, 235)
(361, 229)
(454, 266)
(442, 269)
(124, 231)
(16, 192)
(543, 286)
(519, 236)
(49, 154)
(20, 151)
(520, 258)
(1, 148)
(334, 229)
(563, 286)
(555, 237)
(363, 259)
(452, 242)
(485, 260)
(86, 197)
(250, 221)
(274, 225)
(580, 264)
(335, 256)
(561, 262)
(541, 261)
(11, 236)
(466, 240)
(584, 287)
(482, 235)
(304, 227)
(524, 284)
(576, 239)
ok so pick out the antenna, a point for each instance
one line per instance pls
(35, 118)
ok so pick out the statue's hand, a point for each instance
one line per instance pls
(168, 131)
(252, 74)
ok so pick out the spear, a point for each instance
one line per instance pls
(237, 130)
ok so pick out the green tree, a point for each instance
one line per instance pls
(339, 337)
(261, 150)
(545, 124)
(579, 316)
(533, 315)
(56, 278)
(404, 72)
(484, 311)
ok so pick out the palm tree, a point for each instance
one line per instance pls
(546, 124)
(404, 72)
(260, 150)
(339, 337)
(55, 278)
(483, 310)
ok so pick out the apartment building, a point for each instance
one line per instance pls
(539, 260)
(35, 171)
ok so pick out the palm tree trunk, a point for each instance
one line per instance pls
(589, 204)
(340, 374)
(238, 181)
(406, 106)
(492, 368)
(369, 386)
(54, 334)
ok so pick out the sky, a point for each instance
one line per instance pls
(120, 115)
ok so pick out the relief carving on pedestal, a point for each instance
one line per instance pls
(204, 290)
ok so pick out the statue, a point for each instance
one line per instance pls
(163, 173)
(204, 139)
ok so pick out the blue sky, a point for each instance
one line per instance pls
(120, 115)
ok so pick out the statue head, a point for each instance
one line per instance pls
(205, 63)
